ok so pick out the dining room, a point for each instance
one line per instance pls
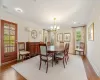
(49, 40)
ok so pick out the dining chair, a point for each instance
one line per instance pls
(44, 56)
(63, 56)
(22, 51)
(66, 52)
(48, 43)
(61, 43)
(81, 48)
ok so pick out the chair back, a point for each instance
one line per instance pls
(21, 46)
(48, 43)
(43, 49)
(82, 45)
(66, 48)
(61, 43)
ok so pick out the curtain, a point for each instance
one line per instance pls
(72, 44)
(83, 39)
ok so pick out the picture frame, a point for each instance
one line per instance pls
(34, 34)
(67, 37)
(91, 32)
(60, 37)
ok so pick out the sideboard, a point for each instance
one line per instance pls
(33, 47)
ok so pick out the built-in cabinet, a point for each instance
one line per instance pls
(8, 40)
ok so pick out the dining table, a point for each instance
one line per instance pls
(53, 50)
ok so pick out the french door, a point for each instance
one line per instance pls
(8, 41)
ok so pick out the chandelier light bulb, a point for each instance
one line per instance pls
(51, 27)
(55, 27)
(58, 27)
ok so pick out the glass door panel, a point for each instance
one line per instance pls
(6, 26)
(8, 41)
(12, 27)
(9, 38)
(6, 31)
(12, 32)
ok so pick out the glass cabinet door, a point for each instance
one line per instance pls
(9, 38)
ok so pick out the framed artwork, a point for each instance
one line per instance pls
(60, 37)
(91, 32)
(67, 37)
(34, 34)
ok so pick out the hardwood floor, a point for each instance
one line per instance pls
(91, 75)
(8, 73)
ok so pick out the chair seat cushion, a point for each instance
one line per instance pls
(60, 55)
(24, 52)
(79, 49)
(45, 58)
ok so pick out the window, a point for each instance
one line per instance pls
(78, 35)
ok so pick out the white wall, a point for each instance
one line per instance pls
(93, 47)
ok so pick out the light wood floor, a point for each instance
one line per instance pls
(8, 73)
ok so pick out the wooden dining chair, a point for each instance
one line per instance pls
(66, 52)
(22, 51)
(63, 56)
(81, 48)
(61, 43)
(44, 56)
(48, 43)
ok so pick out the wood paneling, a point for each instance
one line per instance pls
(33, 47)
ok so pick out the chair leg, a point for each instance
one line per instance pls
(22, 57)
(52, 61)
(47, 67)
(19, 56)
(83, 53)
(29, 56)
(64, 62)
(68, 58)
(40, 64)
(75, 52)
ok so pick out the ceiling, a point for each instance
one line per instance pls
(42, 12)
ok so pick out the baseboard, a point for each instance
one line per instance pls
(94, 67)
(8, 62)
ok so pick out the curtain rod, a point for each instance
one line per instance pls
(79, 26)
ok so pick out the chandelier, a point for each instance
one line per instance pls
(55, 27)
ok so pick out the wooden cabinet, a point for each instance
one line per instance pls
(8, 40)
(33, 47)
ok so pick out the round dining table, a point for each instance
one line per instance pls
(54, 49)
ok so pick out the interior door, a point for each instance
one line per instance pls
(8, 41)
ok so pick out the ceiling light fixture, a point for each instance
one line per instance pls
(55, 27)
(19, 10)
(74, 22)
